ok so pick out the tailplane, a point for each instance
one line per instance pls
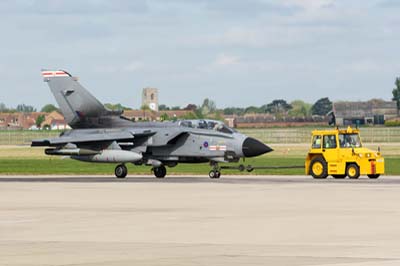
(79, 107)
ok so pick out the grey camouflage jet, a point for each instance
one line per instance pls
(104, 136)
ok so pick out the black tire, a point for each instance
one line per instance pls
(374, 176)
(353, 171)
(249, 168)
(160, 172)
(318, 168)
(217, 174)
(339, 176)
(121, 171)
(212, 174)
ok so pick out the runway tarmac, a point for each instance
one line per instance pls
(236, 220)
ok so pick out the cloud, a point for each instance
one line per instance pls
(73, 6)
(263, 36)
(264, 45)
(309, 5)
(250, 7)
(367, 67)
(389, 4)
(226, 60)
(133, 66)
(362, 66)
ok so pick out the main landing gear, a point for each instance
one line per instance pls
(160, 171)
(121, 171)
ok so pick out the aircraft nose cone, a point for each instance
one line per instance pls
(252, 147)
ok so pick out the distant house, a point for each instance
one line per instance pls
(54, 121)
(373, 112)
(18, 120)
(178, 114)
(140, 115)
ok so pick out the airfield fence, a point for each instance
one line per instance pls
(303, 135)
(267, 135)
(24, 137)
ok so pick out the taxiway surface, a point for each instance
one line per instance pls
(236, 220)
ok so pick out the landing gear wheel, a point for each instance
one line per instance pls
(215, 171)
(339, 176)
(121, 171)
(353, 171)
(318, 168)
(214, 174)
(211, 174)
(160, 172)
(373, 176)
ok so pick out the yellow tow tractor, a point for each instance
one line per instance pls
(339, 152)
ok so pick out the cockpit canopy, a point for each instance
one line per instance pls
(207, 124)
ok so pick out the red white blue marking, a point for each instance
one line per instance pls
(54, 73)
(217, 148)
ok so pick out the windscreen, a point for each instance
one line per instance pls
(207, 124)
(349, 141)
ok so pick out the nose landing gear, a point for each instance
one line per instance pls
(215, 172)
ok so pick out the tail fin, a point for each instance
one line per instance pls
(75, 102)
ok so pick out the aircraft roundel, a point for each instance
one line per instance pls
(205, 144)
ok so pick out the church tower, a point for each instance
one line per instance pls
(150, 98)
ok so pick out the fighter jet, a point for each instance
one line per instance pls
(100, 135)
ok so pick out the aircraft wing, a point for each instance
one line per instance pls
(91, 138)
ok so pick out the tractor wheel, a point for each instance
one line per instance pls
(353, 171)
(318, 168)
(374, 176)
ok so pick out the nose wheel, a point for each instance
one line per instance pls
(214, 174)
(121, 171)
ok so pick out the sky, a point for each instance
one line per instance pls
(238, 53)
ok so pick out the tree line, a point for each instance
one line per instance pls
(279, 108)
(296, 108)
(208, 109)
(23, 108)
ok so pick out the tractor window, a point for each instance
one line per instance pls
(329, 142)
(349, 140)
(316, 143)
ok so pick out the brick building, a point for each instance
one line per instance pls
(373, 112)
(16, 120)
